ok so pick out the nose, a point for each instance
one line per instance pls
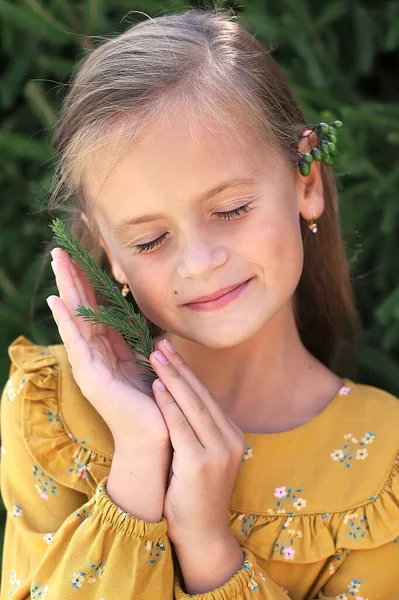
(200, 256)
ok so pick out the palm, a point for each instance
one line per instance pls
(103, 365)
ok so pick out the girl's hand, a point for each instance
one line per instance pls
(102, 364)
(208, 450)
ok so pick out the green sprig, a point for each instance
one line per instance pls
(120, 317)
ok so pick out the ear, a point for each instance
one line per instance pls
(310, 188)
(117, 272)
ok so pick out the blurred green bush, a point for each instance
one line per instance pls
(341, 58)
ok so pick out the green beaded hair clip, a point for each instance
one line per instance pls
(326, 138)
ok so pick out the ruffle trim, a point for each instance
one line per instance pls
(54, 448)
(303, 538)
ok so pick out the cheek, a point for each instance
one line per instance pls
(280, 252)
(152, 291)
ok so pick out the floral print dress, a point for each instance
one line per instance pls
(315, 509)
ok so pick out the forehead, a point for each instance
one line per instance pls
(173, 161)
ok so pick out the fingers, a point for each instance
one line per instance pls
(222, 420)
(72, 291)
(183, 403)
(181, 433)
(76, 346)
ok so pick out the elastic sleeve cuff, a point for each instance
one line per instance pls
(113, 516)
(242, 585)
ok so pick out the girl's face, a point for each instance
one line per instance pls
(167, 178)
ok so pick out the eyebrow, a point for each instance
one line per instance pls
(125, 224)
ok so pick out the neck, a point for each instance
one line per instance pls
(269, 382)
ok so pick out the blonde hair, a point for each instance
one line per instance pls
(204, 62)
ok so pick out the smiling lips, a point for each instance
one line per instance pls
(221, 301)
(216, 295)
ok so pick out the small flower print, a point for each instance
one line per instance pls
(361, 454)
(341, 597)
(247, 522)
(262, 576)
(150, 548)
(80, 470)
(281, 492)
(247, 566)
(300, 503)
(77, 580)
(337, 455)
(9, 392)
(247, 453)
(38, 592)
(286, 540)
(290, 499)
(253, 585)
(335, 561)
(354, 586)
(288, 553)
(48, 538)
(52, 416)
(356, 531)
(93, 570)
(14, 582)
(368, 438)
(344, 391)
(346, 453)
(44, 484)
(17, 511)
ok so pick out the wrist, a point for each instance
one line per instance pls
(223, 539)
(210, 565)
(129, 484)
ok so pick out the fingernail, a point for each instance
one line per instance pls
(168, 345)
(161, 358)
(53, 253)
(49, 300)
(160, 385)
(52, 266)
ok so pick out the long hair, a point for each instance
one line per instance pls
(203, 62)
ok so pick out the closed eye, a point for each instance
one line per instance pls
(227, 216)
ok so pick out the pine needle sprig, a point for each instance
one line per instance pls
(115, 320)
(121, 317)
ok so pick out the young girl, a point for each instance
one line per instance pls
(249, 469)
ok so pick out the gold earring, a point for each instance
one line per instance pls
(125, 290)
(312, 225)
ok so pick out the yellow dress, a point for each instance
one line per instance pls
(315, 509)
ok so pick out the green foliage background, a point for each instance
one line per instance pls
(341, 58)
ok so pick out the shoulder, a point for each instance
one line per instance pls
(61, 428)
(332, 484)
(367, 425)
(358, 447)
(376, 404)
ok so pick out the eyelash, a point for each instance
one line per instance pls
(227, 216)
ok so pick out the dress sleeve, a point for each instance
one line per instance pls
(249, 583)
(59, 540)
